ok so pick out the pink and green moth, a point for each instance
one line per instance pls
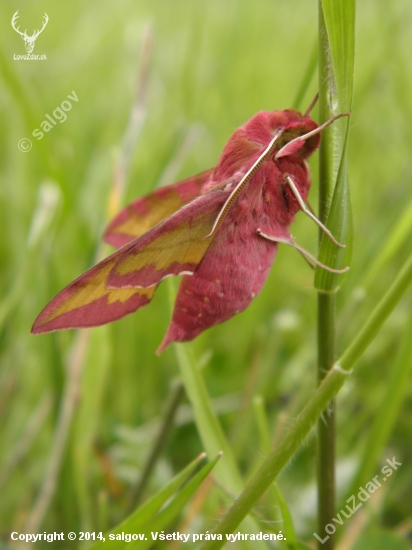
(220, 230)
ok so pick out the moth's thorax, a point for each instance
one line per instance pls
(268, 194)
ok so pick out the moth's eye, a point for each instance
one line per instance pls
(287, 136)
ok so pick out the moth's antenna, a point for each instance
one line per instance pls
(312, 104)
(251, 172)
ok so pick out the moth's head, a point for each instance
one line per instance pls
(293, 125)
(248, 141)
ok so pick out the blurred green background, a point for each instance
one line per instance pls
(213, 65)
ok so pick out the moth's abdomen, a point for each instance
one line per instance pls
(225, 283)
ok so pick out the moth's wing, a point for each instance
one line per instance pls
(174, 247)
(87, 302)
(146, 212)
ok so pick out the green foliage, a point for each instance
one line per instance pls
(213, 65)
(337, 54)
(339, 18)
(159, 511)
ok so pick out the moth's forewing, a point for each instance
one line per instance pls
(174, 247)
(177, 245)
(146, 212)
(87, 302)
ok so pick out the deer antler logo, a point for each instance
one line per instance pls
(29, 41)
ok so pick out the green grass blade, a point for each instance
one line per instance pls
(210, 430)
(86, 423)
(337, 21)
(287, 526)
(378, 316)
(339, 18)
(262, 423)
(399, 235)
(144, 514)
(172, 510)
(340, 223)
(387, 413)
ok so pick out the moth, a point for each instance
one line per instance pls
(219, 230)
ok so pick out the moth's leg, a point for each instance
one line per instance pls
(305, 253)
(306, 211)
(310, 264)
